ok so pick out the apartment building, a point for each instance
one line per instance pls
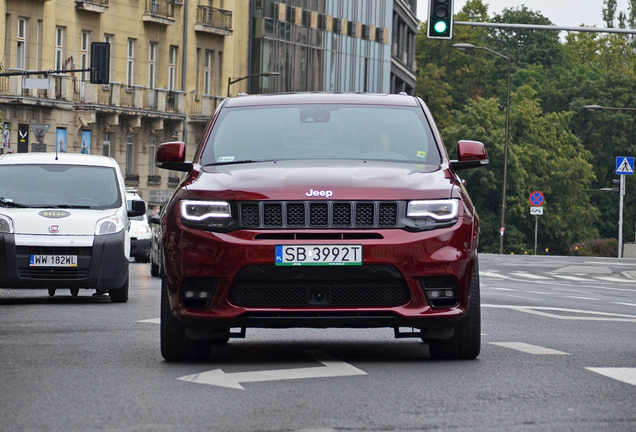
(169, 62)
(403, 37)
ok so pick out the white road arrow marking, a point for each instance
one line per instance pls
(334, 368)
(530, 349)
(626, 375)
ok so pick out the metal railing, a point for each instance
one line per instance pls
(159, 8)
(214, 17)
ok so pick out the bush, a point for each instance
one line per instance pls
(596, 248)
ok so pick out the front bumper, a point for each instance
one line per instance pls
(100, 266)
(223, 261)
(140, 248)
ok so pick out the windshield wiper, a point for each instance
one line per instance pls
(242, 161)
(6, 203)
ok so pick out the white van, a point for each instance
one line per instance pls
(64, 223)
(140, 232)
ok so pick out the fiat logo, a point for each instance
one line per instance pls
(54, 229)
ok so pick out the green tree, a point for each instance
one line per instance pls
(609, 12)
(543, 155)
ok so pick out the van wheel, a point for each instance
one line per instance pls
(466, 342)
(51, 292)
(175, 344)
(74, 292)
(119, 295)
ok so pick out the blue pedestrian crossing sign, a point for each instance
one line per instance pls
(624, 165)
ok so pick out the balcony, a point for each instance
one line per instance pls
(213, 20)
(159, 12)
(99, 6)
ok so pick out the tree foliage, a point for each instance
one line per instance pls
(555, 144)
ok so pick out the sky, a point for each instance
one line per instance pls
(565, 13)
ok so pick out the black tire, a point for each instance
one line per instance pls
(119, 295)
(465, 344)
(51, 292)
(74, 292)
(154, 269)
(175, 344)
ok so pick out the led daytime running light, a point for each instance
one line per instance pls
(201, 210)
(437, 209)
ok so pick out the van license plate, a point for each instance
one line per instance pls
(53, 261)
(318, 255)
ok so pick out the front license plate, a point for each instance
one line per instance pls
(318, 255)
(53, 261)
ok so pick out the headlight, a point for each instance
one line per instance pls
(207, 215)
(109, 225)
(201, 210)
(6, 224)
(143, 230)
(440, 210)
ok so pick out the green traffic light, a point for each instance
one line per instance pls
(440, 26)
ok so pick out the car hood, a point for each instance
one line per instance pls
(334, 180)
(34, 221)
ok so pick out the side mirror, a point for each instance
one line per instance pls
(471, 154)
(154, 220)
(137, 208)
(171, 156)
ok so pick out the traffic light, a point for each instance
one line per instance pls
(616, 185)
(440, 19)
(100, 62)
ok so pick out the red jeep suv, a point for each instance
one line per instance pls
(320, 210)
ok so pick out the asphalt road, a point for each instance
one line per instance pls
(558, 354)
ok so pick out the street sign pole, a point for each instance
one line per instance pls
(536, 229)
(620, 216)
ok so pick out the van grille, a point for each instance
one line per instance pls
(319, 214)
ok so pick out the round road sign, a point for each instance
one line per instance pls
(536, 199)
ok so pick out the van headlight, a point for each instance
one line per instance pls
(207, 215)
(439, 210)
(109, 225)
(6, 225)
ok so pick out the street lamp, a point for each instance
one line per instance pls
(231, 81)
(466, 46)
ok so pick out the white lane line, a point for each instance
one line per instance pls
(483, 273)
(502, 289)
(544, 311)
(581, 298)
(151, 321)
(499, 295)
(529, 349)
(573, 278)
(626, 375)
(614, 279)
(624, 304)
(530, 276)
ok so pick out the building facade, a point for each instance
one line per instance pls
(321, 45)
(403, 36)
(169, 62)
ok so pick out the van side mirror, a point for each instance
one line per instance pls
(137, 208)
(471, 154)
(154, 220)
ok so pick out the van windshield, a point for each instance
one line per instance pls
(321, 131)
(66, 186)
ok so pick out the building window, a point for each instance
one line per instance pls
(59, 48)
(219, 74)
(21, 62)
(172, 63)
(151, 156)
(130, 155)
(106, 144)
(207, 72)
(84, 56)
(130, 63)
(152, 55)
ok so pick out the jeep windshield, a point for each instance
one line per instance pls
(60, 186)
(320, 131)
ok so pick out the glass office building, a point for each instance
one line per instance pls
(321, 45)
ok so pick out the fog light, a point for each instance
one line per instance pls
(204, 295)
(188, 294)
